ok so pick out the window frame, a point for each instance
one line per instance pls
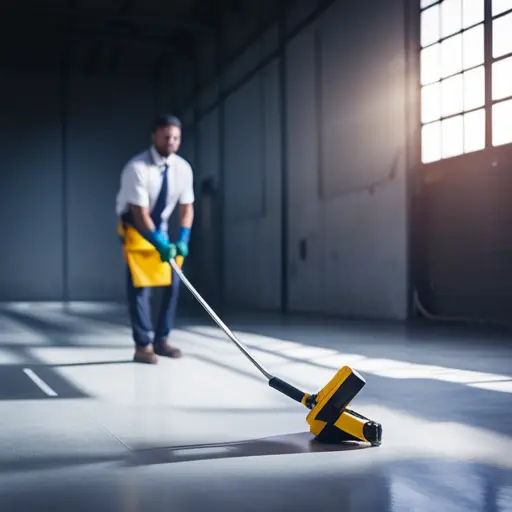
(487, 64)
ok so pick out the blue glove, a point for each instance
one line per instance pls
(182, 243)
(161, 243)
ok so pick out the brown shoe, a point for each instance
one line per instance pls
(145, 355)
(165, 350)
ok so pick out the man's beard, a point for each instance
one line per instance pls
(164, 152)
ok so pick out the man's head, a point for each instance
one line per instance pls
(166, 134)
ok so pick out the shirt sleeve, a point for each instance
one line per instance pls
(135, 190)
(187, 194)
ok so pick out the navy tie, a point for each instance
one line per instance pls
(161, 200)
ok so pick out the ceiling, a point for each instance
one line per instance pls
(163, 37)
(160, 24)
(154, 27)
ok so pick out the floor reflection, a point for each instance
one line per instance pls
(322, 480)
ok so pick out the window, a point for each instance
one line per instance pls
(430, 68)
(501, 39)
(474, 131)
(499, 6)
(452, 99)
(451, 17)
(453, 71)
(452, 130)
(473, 13)
(473, 47)
(501, 72)
(452, 78)
(501, 125)
(430, 29)
(474, 88)
(431, 142)
(431, 103)
(502, 79)
(451, 56)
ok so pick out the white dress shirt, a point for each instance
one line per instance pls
(141, 181)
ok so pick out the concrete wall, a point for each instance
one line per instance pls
(64, 140)
(31, 185)
(345, 83)
(340, 105)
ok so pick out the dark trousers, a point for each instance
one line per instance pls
(139, 307)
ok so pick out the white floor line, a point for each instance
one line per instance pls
(39, 382)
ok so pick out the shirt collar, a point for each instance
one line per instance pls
(159, 159)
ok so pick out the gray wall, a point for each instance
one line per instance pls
(345, 145)
(345, 80)
(64, 140)
(31, 185)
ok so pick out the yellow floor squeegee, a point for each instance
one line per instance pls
(330, 420)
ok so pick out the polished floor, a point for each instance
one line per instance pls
(82, 428)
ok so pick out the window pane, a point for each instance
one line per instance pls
(474, 131)
(502, 79)
(431, 142)
(501, 125)
(451, 17)
(452, 137)
(430, 64)
(472, 12)
(473, 47)
(474, 88)
(451, 55)
(501, 36)
(499, 6)
(431, 103)
(452, 95)
(430, 30)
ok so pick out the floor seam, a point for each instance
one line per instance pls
(111, 434)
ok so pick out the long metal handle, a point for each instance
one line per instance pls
(218, 321)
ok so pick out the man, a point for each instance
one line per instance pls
(152, 184)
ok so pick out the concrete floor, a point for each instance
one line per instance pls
(84, 429)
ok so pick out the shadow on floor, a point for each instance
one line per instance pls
(408, 342)
(276, 445)
(119, 316)
(142, 456)
(430, 346)
(15, 384)
(24, 465)
(40, 325)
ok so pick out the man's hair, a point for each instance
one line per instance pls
(165, 120)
